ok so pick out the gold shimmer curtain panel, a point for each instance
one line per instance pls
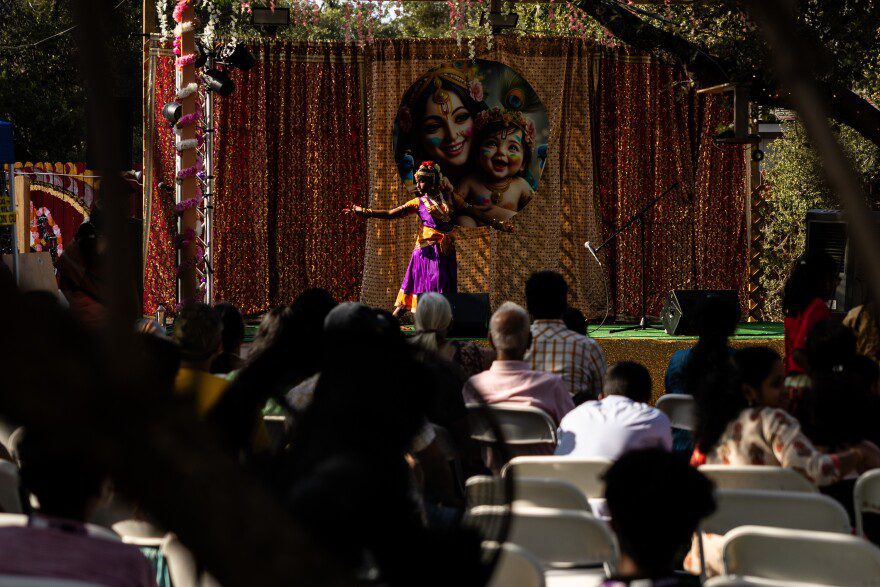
(550, 231)
(309, 129)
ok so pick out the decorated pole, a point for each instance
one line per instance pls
(189, 164)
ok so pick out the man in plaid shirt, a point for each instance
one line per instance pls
(556, 349)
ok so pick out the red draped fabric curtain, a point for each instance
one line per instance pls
(160, 285)
(651, 130)
(289, 155)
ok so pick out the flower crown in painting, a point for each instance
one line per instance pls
(504, 119)
(428, 168)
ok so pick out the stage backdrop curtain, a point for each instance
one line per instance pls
(290, 156)
(651, 130)
(160, 285)
(550, 231)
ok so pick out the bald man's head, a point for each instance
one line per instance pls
(509, 332)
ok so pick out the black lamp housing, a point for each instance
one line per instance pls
(218, 81)
(171, 112)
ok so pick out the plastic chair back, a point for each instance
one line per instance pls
(681, 410)
(527, 492)
(867, 497)
(801, 556)
(757, 477)
(10, 499)
(557, 538)
(585, 474)
(519, 424)
(776, 509)
(516, 567)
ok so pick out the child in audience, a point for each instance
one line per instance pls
(650, 537)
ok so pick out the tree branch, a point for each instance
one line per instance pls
(844, 105)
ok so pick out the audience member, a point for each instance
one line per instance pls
(56, 543)
(233, 335)
(354, 490)
(656, 503)
(865, 323)
(78, 272)
(716, 319)
(575, 320)
(510, 380)
(740, 423)
(198, 331)
(812, 281)
(556, 349)
(620, 421)
(450, 364)
(432, 323)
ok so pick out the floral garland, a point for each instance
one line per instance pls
(38, 241)
(191, 170)
(185, 60)
(185, 205)
(187, 90)
(186, 144)
(187, 119)
(163, 18)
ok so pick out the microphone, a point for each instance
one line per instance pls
(589, 247)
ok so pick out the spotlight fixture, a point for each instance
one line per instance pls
(218, 81)
(202, 54)
(171, 112)
(267, 17)
(237, 55)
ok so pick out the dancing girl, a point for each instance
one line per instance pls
(432, 267)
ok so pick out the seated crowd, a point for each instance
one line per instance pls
(376, 445)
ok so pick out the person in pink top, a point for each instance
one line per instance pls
(56, 542)
(511, 380)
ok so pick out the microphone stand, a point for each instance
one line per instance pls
(639, 217)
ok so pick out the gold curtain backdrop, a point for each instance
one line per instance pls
(549, 232)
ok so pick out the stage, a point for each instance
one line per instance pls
(654, 348)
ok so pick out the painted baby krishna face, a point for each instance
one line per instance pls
(446, 138)
(501, 155)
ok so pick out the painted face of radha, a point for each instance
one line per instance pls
(446, 136)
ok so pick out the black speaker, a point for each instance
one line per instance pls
(678, 313)
(827, 231)
(470, 315)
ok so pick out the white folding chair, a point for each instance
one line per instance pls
(10, 500)
(776, 509)
(866, 496)
(516, 567)
(561, 539)
(681, 410)
(527, 492)
(585, 474)
(757, 477)
(822, 558)
(518, 423)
